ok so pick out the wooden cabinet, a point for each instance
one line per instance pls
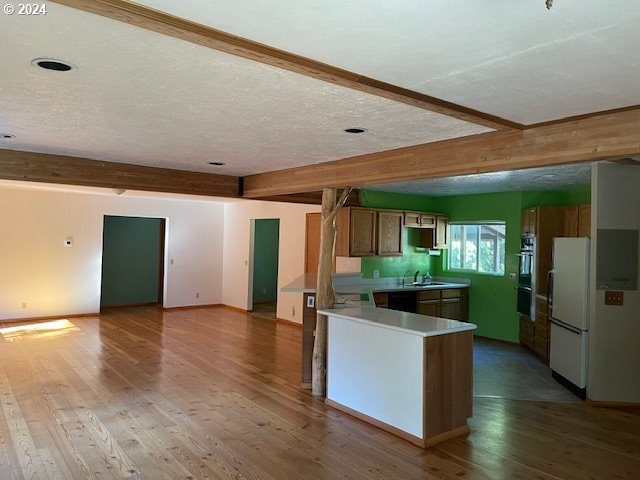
(389, 233)
(529, 219)
(437, 237)
(541, 331)
(419, 220)
(429, 303)
(535, 335)
(381, 299)
(584, 220)
(577, 221)
(308, 335)
(366, 232)
(549, 224)
(442, 232)
(527, 332)
(446, 303)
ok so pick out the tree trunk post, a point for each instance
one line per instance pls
(325, 296)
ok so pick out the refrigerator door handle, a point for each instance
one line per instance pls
(549, 286)
(566, 326)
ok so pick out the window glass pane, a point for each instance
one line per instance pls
(455, 248)
(477, 247)
(470, 247)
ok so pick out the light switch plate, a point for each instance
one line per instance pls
(613, 298)
(311, 301)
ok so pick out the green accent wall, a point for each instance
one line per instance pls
(492, 298)
(130, 260)
(265, 260)
(411, 260)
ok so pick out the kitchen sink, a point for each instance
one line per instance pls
(421, 284)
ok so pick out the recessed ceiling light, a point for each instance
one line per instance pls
(51, 64)
(6, 136)
(216, 164)
(355, 130)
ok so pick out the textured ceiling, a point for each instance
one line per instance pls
(548, 178)
(512, 59)
(140, 97)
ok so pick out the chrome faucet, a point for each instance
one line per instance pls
(415, 276)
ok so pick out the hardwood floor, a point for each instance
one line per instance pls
(211, 393)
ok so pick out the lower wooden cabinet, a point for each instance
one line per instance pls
(450, 303)
(535, 335)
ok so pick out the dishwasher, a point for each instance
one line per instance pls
(403, 301)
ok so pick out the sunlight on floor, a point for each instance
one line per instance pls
(41, 329)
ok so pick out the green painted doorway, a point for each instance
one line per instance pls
(132, 261)
(266, 243)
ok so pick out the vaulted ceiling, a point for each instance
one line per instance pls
(442, 88)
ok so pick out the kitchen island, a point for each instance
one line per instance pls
(409, 374)
(436, 300)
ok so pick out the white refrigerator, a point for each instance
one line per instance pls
(570, 313)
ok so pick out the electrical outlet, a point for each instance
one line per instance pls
(197, 294)
(376, 274)
(311, 301)
(264, 290)
(24, 304)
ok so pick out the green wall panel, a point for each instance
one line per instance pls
(265, 260)
(130, 260)
(411, 261)
(492, 298)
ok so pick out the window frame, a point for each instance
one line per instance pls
(500, 255)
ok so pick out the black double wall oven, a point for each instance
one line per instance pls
(526, 277)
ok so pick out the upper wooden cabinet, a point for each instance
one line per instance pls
(442, 231)
(419, 220)
(529, 221)
(366, 232)
(577, 220)
(389, 233)
(438, 236)
(584, 220)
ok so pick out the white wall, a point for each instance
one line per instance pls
(37, 269)
(614, 344)
(237, 234)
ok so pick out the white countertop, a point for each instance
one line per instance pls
(353, 284)
(412, 323)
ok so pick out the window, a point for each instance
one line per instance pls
(477, 247)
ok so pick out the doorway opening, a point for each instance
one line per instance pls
(264, 278)
(132, 261)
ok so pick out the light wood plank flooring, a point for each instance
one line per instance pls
(213, 394)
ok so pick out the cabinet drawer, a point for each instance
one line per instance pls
(429, 307)
(429, 295)
(451, 293)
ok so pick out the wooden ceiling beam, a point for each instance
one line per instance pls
(588, 139)
(166, 24)
(59, 169)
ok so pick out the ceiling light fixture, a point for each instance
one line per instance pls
(216, 164)
(52, 64)
(355, 130)
(6, 136)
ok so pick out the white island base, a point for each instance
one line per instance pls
(409, 374)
